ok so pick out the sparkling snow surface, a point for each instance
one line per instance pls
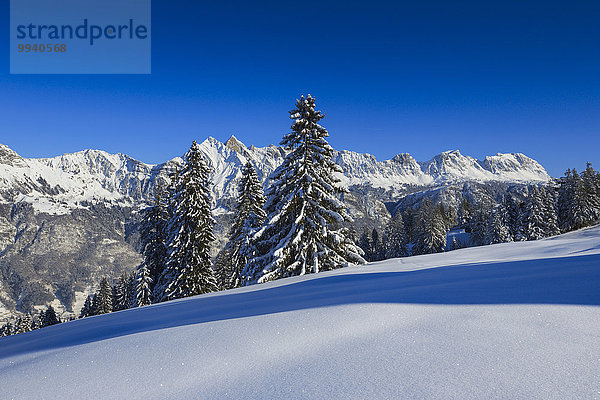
(509, 321)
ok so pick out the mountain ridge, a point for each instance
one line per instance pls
(95, 175)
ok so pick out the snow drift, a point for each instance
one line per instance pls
(517, 320)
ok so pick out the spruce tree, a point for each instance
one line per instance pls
(153, 235)
(364, 242)
(304, 232)
(539, 216)
(50, 317)
(249, 216)
(590, 191)
(571, 205)
(395, 238)
(121, 296)
(104, 298)
(432, 230)
(143, 286)
(88, 308)
(497, 230)
(189, 271)
(23, 324)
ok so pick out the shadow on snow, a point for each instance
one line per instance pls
(567, 281)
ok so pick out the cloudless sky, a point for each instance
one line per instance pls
(399, 76)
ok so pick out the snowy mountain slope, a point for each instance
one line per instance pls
(518, 320)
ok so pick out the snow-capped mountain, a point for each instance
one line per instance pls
(68, 220)
(58, 185)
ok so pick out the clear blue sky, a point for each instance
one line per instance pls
(418, 77)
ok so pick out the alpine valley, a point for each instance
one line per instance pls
(67, 221)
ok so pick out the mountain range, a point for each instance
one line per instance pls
(68, 220)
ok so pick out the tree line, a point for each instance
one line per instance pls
(531, 212)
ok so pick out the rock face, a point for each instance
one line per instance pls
(68, 220)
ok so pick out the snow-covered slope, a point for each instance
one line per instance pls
(60, 184)
(509, 321)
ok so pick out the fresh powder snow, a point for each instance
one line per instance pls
(511, 321)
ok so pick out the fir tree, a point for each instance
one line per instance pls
(512, 213)
(571, 203)
(590, 191)
(153, 232)
(88, 308)
(464, 212)
(50, 317)
(104, 298)
(249, 216)
(377, 249)
(497, 230)
(121, 297)
(304, 231)
(395, 238)
(188, 270)
(23, 324)
(432, 230)
(143, 286)
(539, 216)
(364, 242)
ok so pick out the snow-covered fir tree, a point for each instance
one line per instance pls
(122, 298)
(395, 238)
(570, 202)
(188, 270)
(143, 286)
(153, 236)
(431, 229)
(539, 216)
(249, 216)
(590, 182)
(463, 212)
(104, 298)
(497, 229)
(23, 324)
(304, 230)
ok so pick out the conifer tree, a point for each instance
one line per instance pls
(249, 216)
(364, 242)
(539, 216)
(571, 207)
(88, 308)
(432, 230)
(143, 286)
(104, 298)
(497, 230)
(304, 232)
(189, 271)
(50, 317)
(395, 238)
(121, 296)
(23, 324)
(153, 235)
(590, 190)
(463, 212)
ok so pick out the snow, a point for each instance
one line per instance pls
(60, 184)
(516, 320)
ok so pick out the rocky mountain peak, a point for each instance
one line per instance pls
(234, 144)
(10, 157)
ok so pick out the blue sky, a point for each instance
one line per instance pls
(417, 77)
